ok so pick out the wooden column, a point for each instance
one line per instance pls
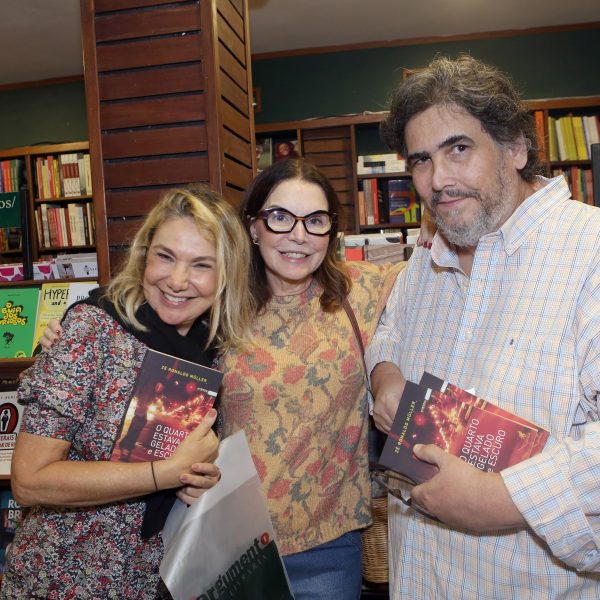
(169, 101)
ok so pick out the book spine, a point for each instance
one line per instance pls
(66, 229)
(375, 201)
(541, 135)
(560, 136)
(362, 217)
(596, 173)
(52, 226)
(552, 139)
(368, 202)
(580, 145)
(88, 174)
(38, 226)
(72, 224)
(89, 211)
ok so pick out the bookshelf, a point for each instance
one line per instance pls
(59, 201)
(57, 215)
(335, 143)
(568, 127)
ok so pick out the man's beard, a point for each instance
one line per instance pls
(494, 207)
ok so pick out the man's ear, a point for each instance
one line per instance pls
(518, 152)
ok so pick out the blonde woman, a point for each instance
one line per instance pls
(92, 529)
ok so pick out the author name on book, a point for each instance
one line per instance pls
(184, 374)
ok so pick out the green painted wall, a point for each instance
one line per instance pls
(545, 65)
(44, 114)
(548, 65)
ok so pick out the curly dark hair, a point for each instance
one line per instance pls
(331, 274)
(480, 89)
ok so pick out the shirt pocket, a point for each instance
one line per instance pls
(544, 384)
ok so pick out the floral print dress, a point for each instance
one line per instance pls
(79, 392)
(300, 396)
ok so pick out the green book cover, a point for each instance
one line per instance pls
(18, 308)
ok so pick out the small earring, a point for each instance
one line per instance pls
(255, 241)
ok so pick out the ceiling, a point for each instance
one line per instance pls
(40, 39)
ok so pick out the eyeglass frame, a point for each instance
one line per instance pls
(263, 215)
(381, 477)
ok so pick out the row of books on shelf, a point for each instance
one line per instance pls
(371, 164)
(580, 180)
(63, 175)
(11, 174)
(62, 266)
(570, 137)
(26, 311)
(65, 226)
(388, 201)
(10, 238)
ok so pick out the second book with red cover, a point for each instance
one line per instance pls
(477, 431)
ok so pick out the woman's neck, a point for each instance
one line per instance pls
(289, 288)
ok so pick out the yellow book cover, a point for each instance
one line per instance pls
(52, 305)
(582, 152)
(55, 298)
(567, 129)
(552, 139)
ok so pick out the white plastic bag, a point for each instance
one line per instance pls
(222, 546)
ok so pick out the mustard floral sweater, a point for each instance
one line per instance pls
(300, 395)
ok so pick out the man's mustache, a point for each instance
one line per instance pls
(436, 198)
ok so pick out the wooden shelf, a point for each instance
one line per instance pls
(39, 282)
(62, 199)
(390, 175)
(11, 368)
(317, 123)
(57, 175)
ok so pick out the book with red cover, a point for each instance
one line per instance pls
(169, 399)
(489, 440)
(436, 383)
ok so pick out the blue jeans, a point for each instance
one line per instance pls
(331, 571)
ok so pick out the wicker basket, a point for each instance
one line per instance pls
(374, 541)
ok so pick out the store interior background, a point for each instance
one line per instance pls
(311, 58)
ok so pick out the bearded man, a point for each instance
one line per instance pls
(507, 302)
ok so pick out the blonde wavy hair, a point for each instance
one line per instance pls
(217, 221)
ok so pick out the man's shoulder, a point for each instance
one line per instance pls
(577, 219)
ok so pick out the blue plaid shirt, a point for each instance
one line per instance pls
(524, 331)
